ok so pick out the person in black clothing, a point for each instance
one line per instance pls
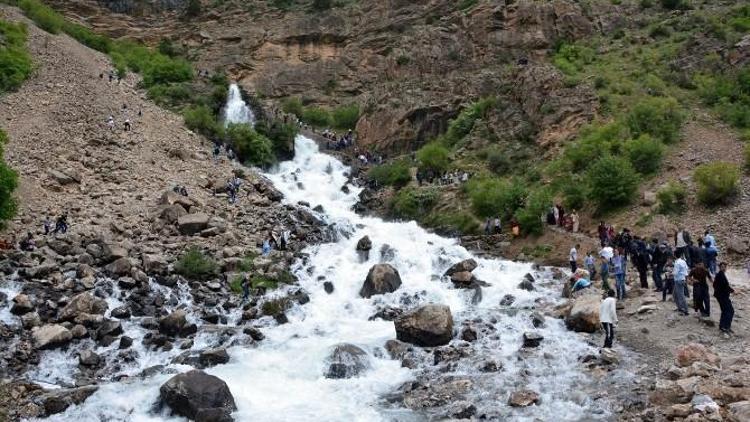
(701, 300)
(640, 260)
(658, 259)
(721, 293)
(697, 253)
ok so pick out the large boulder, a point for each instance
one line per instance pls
(346, 361)
(364, 244)
(21, 305)
(584, 314)
(56, 401)
(198, 396)
(213, 357)
(427, 326)
(172, 213)
(191, 224)
(83, 304)
(467, 265)
(154, 264)
(120, 266)
(51, 336)
(690, 353)
(382, 278)
(173, 323)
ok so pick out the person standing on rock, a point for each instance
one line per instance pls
(602, 231)
(576, 221)
(590, 263)
(488, 227)
(680, 286)
(608, 318)
(245, 288)
(618, 266)
(701, 302)
(604, 270)
(722, 290)
(573, 257)
(668, 278)
(61, 225)
(498, 226)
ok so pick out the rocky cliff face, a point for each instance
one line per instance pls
(411, 66)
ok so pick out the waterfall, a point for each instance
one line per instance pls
(236, 110)
(282, 377)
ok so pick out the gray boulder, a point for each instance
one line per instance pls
(347, 361)
(84, 303)
(198, 396)
(427, 326)
(467, 265)
(51, 336)
(191, 224)
(382, 278)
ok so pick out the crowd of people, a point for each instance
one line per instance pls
(338, 143)
(674, 265)
(557, 217)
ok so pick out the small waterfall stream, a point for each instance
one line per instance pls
(237, 111)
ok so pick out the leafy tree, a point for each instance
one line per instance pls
(434, 157)
(345, 117)
(496, 197)
(659, 117)
(414, 203)
(529, 217)
(645, 154)
(252, 148)
(612, 182)
(200, 119)
(396, 174)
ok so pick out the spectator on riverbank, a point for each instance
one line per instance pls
(699, 276)
(573, 257)
(722, 291)
(618, 267)
(680, 286)
(608, 318)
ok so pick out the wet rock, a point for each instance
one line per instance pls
(740, 410)
(347, 361)
(531, 340)
(89, 358)
(79, 331)
(387, 313)
(213, 357)
(198, 396)
(507, 300)
(120, 266)
(82, 304)
(125, 342)
(468, 334)
(328, 287)
(173, 323)
(427, 326)
(21, 305)
(154, 264)
(51, 336)
(121, 312)
(381, 279)
(537, 319)
(56, 401)
(396, 349)
(526, 285)
(439, 392)
(108, 328)
(491, 366)
(462, 278)
(609, 356)
(462, 410)
(387, 253)
(364, 244)
(583, 315)
(467, 265)
(254, 333)
(523, 398)
(688, 354)
(191, 224)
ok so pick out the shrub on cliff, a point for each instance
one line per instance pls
(316, 116)
(281, 136)
(396, 174)
(15, 61)
(414, 203)
(345, 117)
(252, 148)
(529, 216)
(292, 105)
(196, 265)
(42, 15)
(672, 198)
(645, 154)
(717, 182)
(612, 182)
(496, 197)
(8, 184)
(200, 119)
(434, 157)
(659, 117)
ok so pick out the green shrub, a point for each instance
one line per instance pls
(659, 117)
(275, 307)
(396, 174)
(281, 136)
(414, 203)
(292, 105)
(88, 38)
(345, 117)
(171, 95)
(252, 148)
(574, 194)
(717, 182)
(316, 116)
(573, 58)
(530, 216)
(496, 197)
(672, 198)
(464, 5)
(322, 4)
(612, 182)
(200, 119)
(593, 142)
(162, 69)
(195, 265)
(193, 8)
(464, 123)
(460, 223)
(737, 114)
(675, 4)
(746, 153)
(8, 184)
(15, 61)
(403, 60)
(498, 161)
(434, 157)
(645, 154)
(42, 15)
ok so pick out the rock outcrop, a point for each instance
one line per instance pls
(381, 279)
(426, 326)
(198, 396)
(347, 361)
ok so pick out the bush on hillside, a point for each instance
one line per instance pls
(252, 148)
(498, 161)
(396, 174)
(414, 203)
(716, 182)
(496, 197)
(316, 116)
(15, 61)
(574, 194)
(645, 154)
(88, 38)
(292, 105)
(200, 119)
(464, 123)
(196, 265)
(593, 142)
(573, 58)
(612, 182)
(433, 157)
(42, 15)
(659, 117)
(675, 4)
(170, 95)
(530, 216)
(672, 198)
(453, 223)
(345, 117)
(8, 184)
(281, 136)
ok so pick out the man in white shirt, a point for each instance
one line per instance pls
(574, 258)
(680, 279)
(608, 318)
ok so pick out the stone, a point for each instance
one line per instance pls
(609, 356)
(51, 336)
(254, 333)
(88, 358)
(154, 264)
(649, 198)
(704, 403)
(469, 334)
(191, 224)
(364, 244)
(531, 340)
(462, 278)
(537, 319)
(125, 342)
(120, 266)
(173, 323)
(740, 410)
(112, 252)
(688, 354)
(526, 285)
(60, 177)
(198, 396)
(172, 213)
(328, 287)
(81, 304)
(467, 265)
(213, 357)
(21, 305)
(507, 300)
(678, 410)
(79, 331)
(346, 361)
(646, 309)
(56, 401)
(111, 328)
(427, 326)
(583, 315)
(736, 244)
(382, 278)
(31, 320)
(121, 312)
(523, 398)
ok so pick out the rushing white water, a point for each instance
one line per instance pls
(236, 110)
(282, 377)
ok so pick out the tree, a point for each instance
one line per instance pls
(612, 182)
(434, 157)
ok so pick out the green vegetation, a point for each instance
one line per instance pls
(464, 123)
(746, 153)
(15, 61)
(659, 117)
(342, 117)
(672, 198)
(345, 117)
(252, 148)
(496, 197)
(645, 154)
(414, 203)
(202, 120)
(281, 136)
(322, 4)
(316, 116)
(461, 222)
(433, 157)
(193, 8)
(537, 251)
(195, 265)
(275, 307)
(395, 174)
(42, 15)
(729, 93)
(536, 205)
(612, 182)
(8, 184)
(292, 105)
(717, 182)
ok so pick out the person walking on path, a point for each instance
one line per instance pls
(604, 270)
(573, 256)
(618, 266)
(608, 318)
(722, 290)
(680, 286)
(701, 302)
(668, 277)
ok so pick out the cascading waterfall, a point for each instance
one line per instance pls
(237, 111)
(282, 377)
